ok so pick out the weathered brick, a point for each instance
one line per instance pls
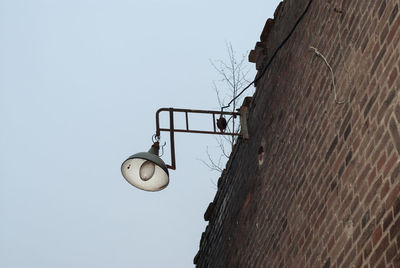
(393, 30)
(392, 77)
(391, 253)
(347, 132)
(327, 263)
(381, 8)
(394, 230)
(359, 261)
(394, 13)
(390, 98)
(381, 140)
(340, 171)
(327, 191)
(387, 221)
(366, 234)
(350, 258)
(385, 189)
(389, 164)
(369, 104)
(377, 235)
(381, 162)
(395, 134)
(377, 59)
(367, 250)
(384, 33)
(356, 142)
(392, 196)
(365, 219)
(331, 148)
(395, 174)
(373, 191)
(379, 251)
(382, 264)
(345, 122)
(396, 207)
(378, 210)
(396, 261)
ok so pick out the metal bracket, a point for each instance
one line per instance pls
(243, 113)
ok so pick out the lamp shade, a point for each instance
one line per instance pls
(146, 170)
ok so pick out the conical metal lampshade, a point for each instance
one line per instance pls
(146, 170)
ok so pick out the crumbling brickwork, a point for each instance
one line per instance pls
(318, 182)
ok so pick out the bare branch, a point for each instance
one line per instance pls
(211, 164)
(233, 74)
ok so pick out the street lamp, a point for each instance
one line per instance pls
(147, 171)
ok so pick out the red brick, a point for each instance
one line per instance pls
(391, 252)
(389, 165)
(367, 250)
(371, 177)
(396, 207)
(381, 142)
(394, 230)
(381, 162)
(385, 189)
(396, 261)
(363, 191)
(373, 192)
(394, 13)
(384, 34)
(359, 261)
(339, 160)
(398, 241)
(379, 251)
(392, 196)
(389, 150)
(387, 221)
(393, 30)
(379, 211)
(356, 143)
(382, 264)
(348, 174)
(374, 54)
(392, 77)
(363, 176)
(394, 177)
(377, 235)
(356, 233)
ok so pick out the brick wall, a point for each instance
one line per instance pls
(318, 183)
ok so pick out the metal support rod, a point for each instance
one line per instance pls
(172, 138)
(187, 121)
(214, 123)
(201, 132)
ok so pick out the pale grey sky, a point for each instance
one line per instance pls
(80, 81)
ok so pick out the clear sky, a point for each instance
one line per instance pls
(80, 81)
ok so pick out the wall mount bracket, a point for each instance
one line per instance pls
(216, 129)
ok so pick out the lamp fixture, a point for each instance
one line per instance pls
(147, 171)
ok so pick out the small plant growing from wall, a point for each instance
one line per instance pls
(232, 78)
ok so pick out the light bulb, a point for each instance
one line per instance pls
(146, 170)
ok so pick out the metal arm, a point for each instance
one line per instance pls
(172, 129)
(187, 130)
